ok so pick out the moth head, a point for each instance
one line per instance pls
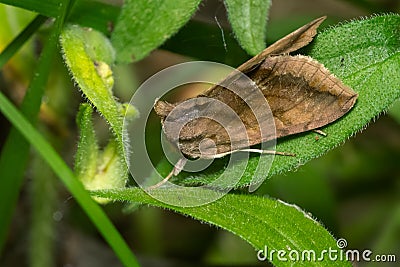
(193, 136)
(163, 108)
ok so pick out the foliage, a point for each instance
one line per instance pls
(365, 54)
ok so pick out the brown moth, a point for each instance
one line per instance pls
(302, 94)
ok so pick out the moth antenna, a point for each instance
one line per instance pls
(222, 33)
(163, 108)
(270, 152)
(254, 150)
(285, 154)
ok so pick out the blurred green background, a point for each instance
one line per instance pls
(354, 190)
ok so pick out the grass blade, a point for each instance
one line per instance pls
(20, 40)
(15, 153)
(59, 167)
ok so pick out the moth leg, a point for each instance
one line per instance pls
(320, 132)
(254, 150)
(175, 171)
(269, 152)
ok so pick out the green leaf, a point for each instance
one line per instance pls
(60, 168)
(95, 14)
(144, 25)
(15, 152)
(87, 152)
(88, 55)
(249, 20)
(111, 171)
(97, 169)
(260, 221)
(365, 54)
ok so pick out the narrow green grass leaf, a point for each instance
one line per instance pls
(14, 155)
(260, 221)
(145, 25)
(48, 8)
(365, 54)
(59, 167)
(43, 202)
(20, 40)
(249, 21)
(94, 14)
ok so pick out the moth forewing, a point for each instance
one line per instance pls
(291, 42)
(302, 95)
